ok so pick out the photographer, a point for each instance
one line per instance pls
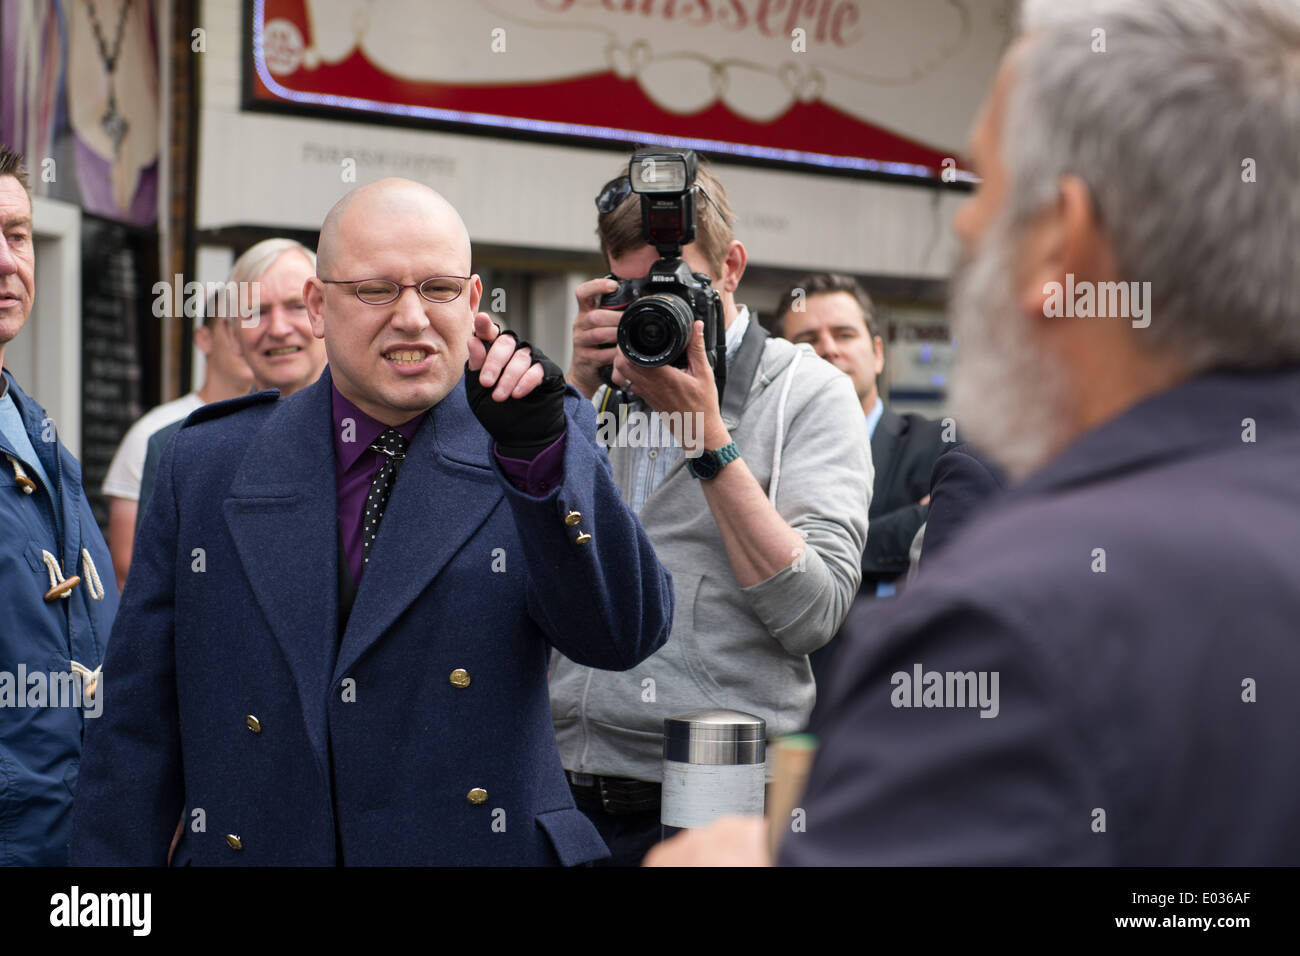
(756, 502)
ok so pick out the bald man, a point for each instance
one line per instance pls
(343, 615)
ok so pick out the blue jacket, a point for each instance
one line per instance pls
(40, 745)
(1137, 601)
(423, 735)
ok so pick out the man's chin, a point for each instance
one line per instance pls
(416, 395)
(285, 379)
(12, 320)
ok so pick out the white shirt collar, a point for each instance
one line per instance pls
(873, 418)
(736, 332)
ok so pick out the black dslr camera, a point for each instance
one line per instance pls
(662, 306)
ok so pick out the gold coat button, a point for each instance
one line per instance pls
(234, 842)
(572, 518)
(459, 677)
(582, 537)
(476, 796)
(253, 724)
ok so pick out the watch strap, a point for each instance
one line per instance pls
(719, 458)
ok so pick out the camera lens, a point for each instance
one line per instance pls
(654, 330)
(650, 335)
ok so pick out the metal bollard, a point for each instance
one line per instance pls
(715, 763)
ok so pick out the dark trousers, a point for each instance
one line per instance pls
(629, 837)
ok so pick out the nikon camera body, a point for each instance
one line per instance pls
(660, 308)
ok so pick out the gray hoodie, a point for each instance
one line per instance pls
(737, 648)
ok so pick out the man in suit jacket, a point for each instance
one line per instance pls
(334, 642)
(834, 315)
(1101, 670)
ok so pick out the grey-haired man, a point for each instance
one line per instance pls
(1101, 669)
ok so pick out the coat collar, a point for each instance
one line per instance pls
(60, 464)
(1210, 412)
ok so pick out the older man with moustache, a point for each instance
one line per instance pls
(344, 613)
(1136, 591)
(276, 341)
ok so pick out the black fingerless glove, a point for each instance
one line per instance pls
(522, 427)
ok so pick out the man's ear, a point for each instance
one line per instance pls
(733, 266)
(203, 340)
(1066, 239)
(313, 296)
(475, 295)
(236, 342)
(878, 350)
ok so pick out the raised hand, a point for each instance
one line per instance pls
(515, 391)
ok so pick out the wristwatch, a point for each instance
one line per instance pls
(709, 463)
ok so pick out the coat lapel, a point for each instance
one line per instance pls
(884, 456)
(444, 492)
(283, 517)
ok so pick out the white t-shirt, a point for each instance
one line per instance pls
(127, 468)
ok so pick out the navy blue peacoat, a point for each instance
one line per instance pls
(421, 735)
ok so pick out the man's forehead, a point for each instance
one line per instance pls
(837, 308)
(989, 119)
(410, 241)
(15, 204)
(287, 275)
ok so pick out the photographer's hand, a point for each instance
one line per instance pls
(688, 391)
(759, 542)
(595, 334)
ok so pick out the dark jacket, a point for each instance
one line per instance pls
(962, 486)
(1147, 711)
(40, 745)
(153, 454)
(238, 707)
(904, 449)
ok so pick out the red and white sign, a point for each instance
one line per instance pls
(856, 84)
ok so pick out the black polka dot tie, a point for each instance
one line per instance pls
(393, 447)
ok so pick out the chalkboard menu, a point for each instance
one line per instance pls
(118, 267)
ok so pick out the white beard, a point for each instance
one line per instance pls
(1007, 396)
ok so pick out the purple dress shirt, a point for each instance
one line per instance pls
(356, 464)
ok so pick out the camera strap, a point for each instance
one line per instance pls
(740, 373)
(613, 405)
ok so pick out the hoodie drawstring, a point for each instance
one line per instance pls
(775, 481)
